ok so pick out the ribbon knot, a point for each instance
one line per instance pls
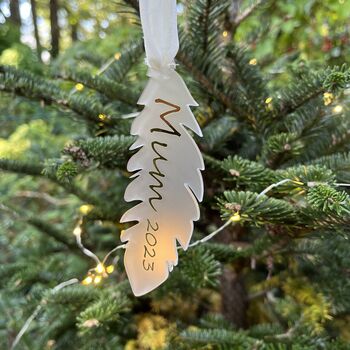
(159, 24)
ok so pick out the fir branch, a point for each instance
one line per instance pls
(25, 168)
(246, 85)
(52, 232)
(109, 151)
(107, 309)
(247, 12)
(28, 85)
(112, 90)
(205, 82)
(217, 133)
(40, 225)
(117, 68)
(18, 167)
(245, 173)
(221, 337)
(309, 86)
(339, 163)
(258, 209)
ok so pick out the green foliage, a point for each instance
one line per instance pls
(197, 269)
(223, 338)
(109, 151)
(66, 171)
(327, 199)
(337, 79)
(107, 309)
(257, 209)
(339, 163)
(246, 173)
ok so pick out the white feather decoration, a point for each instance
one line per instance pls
(168, 181)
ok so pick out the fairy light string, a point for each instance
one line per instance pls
(96, 274)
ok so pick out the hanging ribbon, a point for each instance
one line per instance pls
(159, 24)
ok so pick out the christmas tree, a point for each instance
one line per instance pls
(270, 265)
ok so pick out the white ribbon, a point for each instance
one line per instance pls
(159, 24)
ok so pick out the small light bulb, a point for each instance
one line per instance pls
(97, 279)
(100, 268)
(324, 30)
(110, 269)
(328, 98)
(338, 109)
(235, 217)
(253, 62)
(102, 116)
(225, 33)
(77, 231)
(87, 280)
(79, 87)
(117, 55)
(86, 208)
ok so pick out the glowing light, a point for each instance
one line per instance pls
(79, 87)
(268, 100)
(253, 62)
(97, 279)
(100, 268)
(338, 109)
(225, 33)
(328, 98)
(77, 231)
(235, 217)
(102, 116)
(324, 30)
(117, 55)
(85, 209)
(87, 281)
(110, 269)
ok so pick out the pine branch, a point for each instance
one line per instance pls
(41, 225)
(227, 339)
(247, 12)
(246, 85)
(308, 87)
(38, 170)
(109, 151)
(339, 163)
(205, 82)
(107, 87)
(257, 209)
(217, 133)
(28, 85)
(243, 173)
(20, 167)
(117, 68)
(52, 232)
(107, 309)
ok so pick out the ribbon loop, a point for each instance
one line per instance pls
(159, 24)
